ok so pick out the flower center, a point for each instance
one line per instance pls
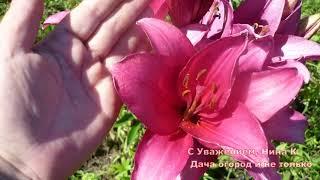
(203, 98)
(260, 29)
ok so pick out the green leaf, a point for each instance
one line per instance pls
(133, 133)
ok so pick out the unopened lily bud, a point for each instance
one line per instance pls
(309, 26)
(289, 7)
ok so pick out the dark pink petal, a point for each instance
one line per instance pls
(214, 67)
(302, 69)
(294, 47)
(264, 173)
(159, 8)
(240, 28)
(147, 85)
(272, 14)
(167, 40)
(195, 32)
(223, 22)
(192, 173)
(256, 54)
(267, 172)
(287, 125)
(228, 19)
(291, 23)
(184, 12)
(55, 19)
(246, 14)
(266, 92)
(265, 12)
(161, 157)
(238, 130)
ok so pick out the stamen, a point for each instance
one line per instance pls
(214, 88)
(184, 93)
(255, 26)
(186, 81)
(212, 102)
(201, 73)
(264, 30)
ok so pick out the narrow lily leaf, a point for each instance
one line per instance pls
(286, 125)
(258, 91)
(167, 40)
(161, 157)
(133, 133)
(154, 78)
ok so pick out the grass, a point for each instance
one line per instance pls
(114, 158)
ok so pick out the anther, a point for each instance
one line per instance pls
(186, 81)
(184, 93)
(201, 73)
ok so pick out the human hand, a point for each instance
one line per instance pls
(57, 100)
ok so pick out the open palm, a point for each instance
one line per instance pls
(57, 100)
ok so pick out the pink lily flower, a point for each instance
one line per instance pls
(270, 16)
(197, 18)
(190, 99)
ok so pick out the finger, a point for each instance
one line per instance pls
(20, 24)
(110, 31)
(85, 18)
(100, 81)
(133, 41)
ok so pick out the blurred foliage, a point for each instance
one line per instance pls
(114, 158)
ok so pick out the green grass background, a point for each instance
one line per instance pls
(114, 158)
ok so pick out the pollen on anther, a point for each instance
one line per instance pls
(214, 88)
(212, 102)
(184, 93)
(201, 73)
(186, 81)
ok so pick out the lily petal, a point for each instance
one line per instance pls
(154, 78)
(287, 125)
(291, 23)
(265, 12)
(214, 66)
(161, 157)
(224, 132)
(159, 8)
(195, 32)
(294, 47)
(257, 53)
(302, 69)
(167, 40)
(272, 14)
(266, 92)
(266, 173)
(184, 12)
(55, 19)
(193, 173)
(245, 14)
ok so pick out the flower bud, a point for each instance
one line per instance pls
(309, 26)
